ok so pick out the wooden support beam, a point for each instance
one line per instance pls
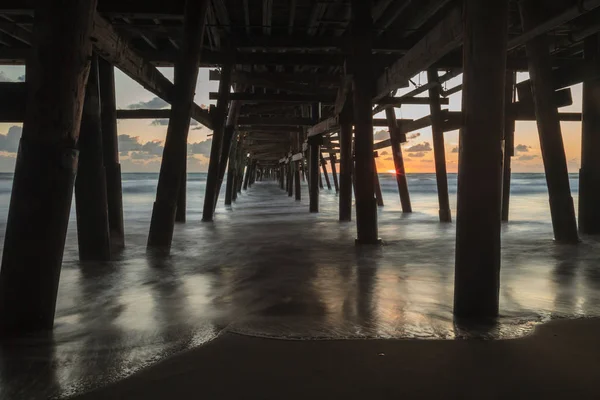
(276, 97)
(275, 79)
(441, 40)
(324, 168)
(110, 152)
(509, 141)
(332, 161)
(400, 172)
(400, 101)
(297, 185)
(228, 138)
(362, 74)
(46, 166)
(477, 267)
(174, 157)
(589, 174)
(313, 163)
(93, 233)
(553, 153)
(13, 100)
(113, 48)
(275, 121)
(439, 150)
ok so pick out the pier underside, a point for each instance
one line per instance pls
(267, 270)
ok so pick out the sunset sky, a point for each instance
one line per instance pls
(140, 141)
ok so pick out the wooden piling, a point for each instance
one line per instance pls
(91, 203)
(589, 174)
(553, 151)
(378, 194)
(46, 165)
(313, 173)
(219, 114)
(324, 168)
(332, 161)
(439, 150)
(509, 142)
(247, 176)
(110, 152)
(346, 166)
(362, 76)
(477, 268)
(175, 151)
(291, 179)
(231, 172)
(297, 184)
(395, 140)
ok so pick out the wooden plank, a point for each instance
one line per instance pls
(113, 48)
(441, 40)
(326, 126)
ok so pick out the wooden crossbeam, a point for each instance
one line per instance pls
(399, 101)
(112, 47)
(144, 114)
(275, 121)
(271, 81)
(276, 97)
(316, 79)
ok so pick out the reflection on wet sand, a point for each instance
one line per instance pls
(269, 268)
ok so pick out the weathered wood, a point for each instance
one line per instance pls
(277, 97)
(93, 233)
(113, 48)
(362, 76)
(219, 115)
(403, 100)
(589, 174)
(228, 136)
(175, 152)
(332, 161)
(110, 152)
(298, 162)
(378, 194)
(279, 79)
(439, 150)
(477, 268)
(313, 163)
(324, 168)
(441, 40)
(46, 166)
(400, 172)
(509, 142)
(553, 153)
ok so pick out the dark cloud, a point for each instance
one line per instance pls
(155, 104)
(417, 155)
(522, 148)
(155, 148)
(381, 135)
(165, 122)
(138, 155)
(197, 128)
(413, 136)
(419, 147)
(10, 141)
(388, 158)
(21, 78)
(454, 150)
(384, 153)
(129, 143)
(202, 148)
(527, 157)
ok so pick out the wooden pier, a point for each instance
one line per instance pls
(302, 84)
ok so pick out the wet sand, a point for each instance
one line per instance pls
(561, 360)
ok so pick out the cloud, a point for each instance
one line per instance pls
(527, 157)
(384, 153)
(4, 78)
(413, 136)
(197, 128)
(202, 148)
(426, 160)
(417, 155)
(165, 122)
(454, 150)
(381, 135)
(21, 78)
(155, 104)
(419, 147)
(155, 147)
(522, 148)
(129, 143)
(10, 141)
(388, 158)
(138, 155)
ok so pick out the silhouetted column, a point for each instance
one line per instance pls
(553, 152)
(378, 194)
(324, 167)
(91, 203)
(509, 142)
(313, 173)
(36, 228)
(589, 174)
(362, 74)
(477, 269)
(247, 177)
(253, 172)
(290, 178)
(298, 187)
(395, 139)
(110, 152)
(219, 113)
(332, 161)
(231, 172)
(439, 150)
(175, 151)
(228, 137)
(346, 166)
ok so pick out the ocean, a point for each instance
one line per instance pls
(267, 267)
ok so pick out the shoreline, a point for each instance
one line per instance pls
(560, 359)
